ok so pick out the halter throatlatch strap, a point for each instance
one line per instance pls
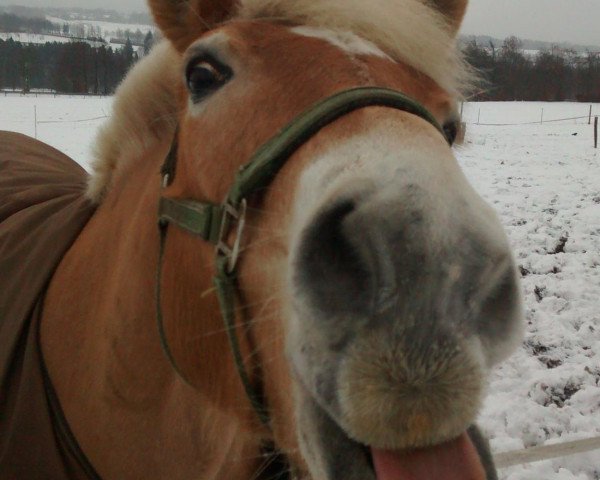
(213, 222)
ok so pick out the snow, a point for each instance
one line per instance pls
(105, 26)
(76, 120)
(544, 181)
(532, 54)
(108, 30)
(527, 112)
(34, 38)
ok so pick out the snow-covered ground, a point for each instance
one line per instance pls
(36, 38)
(528, 112)
(74, 120)
(108, 28)
(544, 181)
(82, 29)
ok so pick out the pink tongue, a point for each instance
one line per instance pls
(454, 460)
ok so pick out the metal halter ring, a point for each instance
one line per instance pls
(231, 216)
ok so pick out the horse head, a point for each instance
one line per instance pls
(376, 288)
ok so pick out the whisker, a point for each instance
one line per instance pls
(266, 463)
(256, 243)
(257, 351)
(247, 324)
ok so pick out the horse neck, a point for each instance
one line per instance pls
(102, 349)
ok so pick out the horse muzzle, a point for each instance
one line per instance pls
(401, 306)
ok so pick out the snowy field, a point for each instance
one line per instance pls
(107, 28)
(544, 181)
(41, 39)
(35, 38)
(66, 123)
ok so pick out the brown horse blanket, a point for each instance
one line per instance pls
(42, 211)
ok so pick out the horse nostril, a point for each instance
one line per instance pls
(500, 306)
(331, 265)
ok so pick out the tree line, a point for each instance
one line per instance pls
(509, 73)
(13, 23)
(137, 37)
(73, 68)
(86, 65)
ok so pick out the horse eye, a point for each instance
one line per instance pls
(204, 76)
(451, 131)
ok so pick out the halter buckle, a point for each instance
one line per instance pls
(231, 216)
(166, 180)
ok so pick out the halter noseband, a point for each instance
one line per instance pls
(214, 222)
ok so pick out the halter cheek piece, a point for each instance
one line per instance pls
(214, 222)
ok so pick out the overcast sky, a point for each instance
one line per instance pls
(575, 21)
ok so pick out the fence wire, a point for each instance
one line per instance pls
(538, 122)
(73, 121)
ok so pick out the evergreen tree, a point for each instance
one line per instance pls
(127, 53)
(148, 42)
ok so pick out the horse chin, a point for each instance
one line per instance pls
(385, 408)
(332, 454)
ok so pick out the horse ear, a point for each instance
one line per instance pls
(453, 10)
(182, 21)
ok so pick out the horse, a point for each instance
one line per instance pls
(285, 273)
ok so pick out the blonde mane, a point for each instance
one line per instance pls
(144, 113)
(145, 106)
(409, 31)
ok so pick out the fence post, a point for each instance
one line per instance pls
(35, 119)
(479, 116)
(595, 132)
(542, 119)
(590, 117)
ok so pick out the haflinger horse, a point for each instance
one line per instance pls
(366, 289)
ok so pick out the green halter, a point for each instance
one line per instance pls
(213, 222)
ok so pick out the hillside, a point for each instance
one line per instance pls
(530, 45)
(19, 23)
(81, 14)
